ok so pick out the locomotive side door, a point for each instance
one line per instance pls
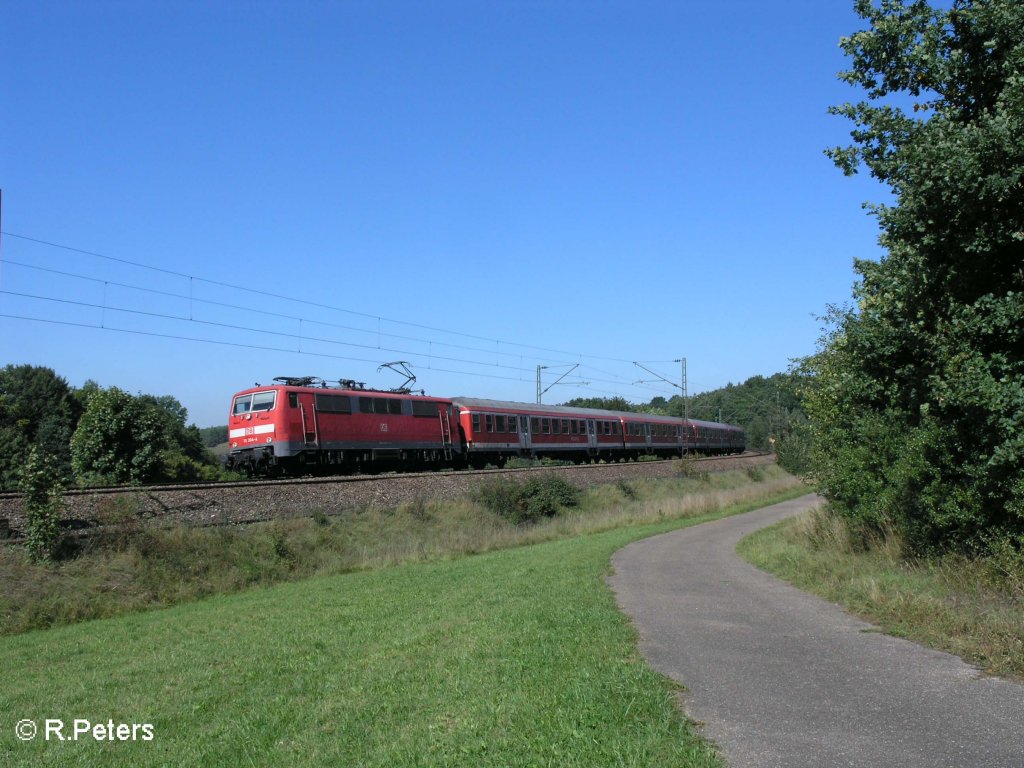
(307, 408)
(525, 447)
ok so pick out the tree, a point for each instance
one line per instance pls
(119, 439)
(185, 456)
(36, 410)
(918, 406)
(123, 438)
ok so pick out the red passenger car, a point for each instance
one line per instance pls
(493, 430)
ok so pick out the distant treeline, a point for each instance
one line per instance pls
(213, 436)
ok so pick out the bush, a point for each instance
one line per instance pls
(547, 494)
(43, 500)
(689, 468)
(627, 490)
(538, 497)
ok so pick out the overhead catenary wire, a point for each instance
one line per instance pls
(226, 305)
(192, 299)
(307, 302)
(260, 347)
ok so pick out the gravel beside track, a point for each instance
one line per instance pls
(253, 501)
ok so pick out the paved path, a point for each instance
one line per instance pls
(781, 678)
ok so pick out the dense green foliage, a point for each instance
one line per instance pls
(124, 438)
(527, 502)
(42, 488)
(37, 409)
(94, 435)
(918, 403)
(118, 440)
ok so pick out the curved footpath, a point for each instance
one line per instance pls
(778, 677)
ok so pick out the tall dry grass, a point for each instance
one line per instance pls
(133, 569)
(970, 605)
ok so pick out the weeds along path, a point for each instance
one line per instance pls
(782, 678)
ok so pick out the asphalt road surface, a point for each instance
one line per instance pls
(777, 677)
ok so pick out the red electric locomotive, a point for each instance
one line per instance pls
(301, 423)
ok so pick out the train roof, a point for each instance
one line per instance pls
(317, 389)
(504, 405)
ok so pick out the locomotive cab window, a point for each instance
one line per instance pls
(261, 401)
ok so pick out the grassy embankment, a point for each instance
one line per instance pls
(132, 569)
(973, 607)
(514, 657)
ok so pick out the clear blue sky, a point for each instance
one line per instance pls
(559, 181)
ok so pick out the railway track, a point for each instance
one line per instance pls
(259, 500)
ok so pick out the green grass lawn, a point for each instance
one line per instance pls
(514, 657)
